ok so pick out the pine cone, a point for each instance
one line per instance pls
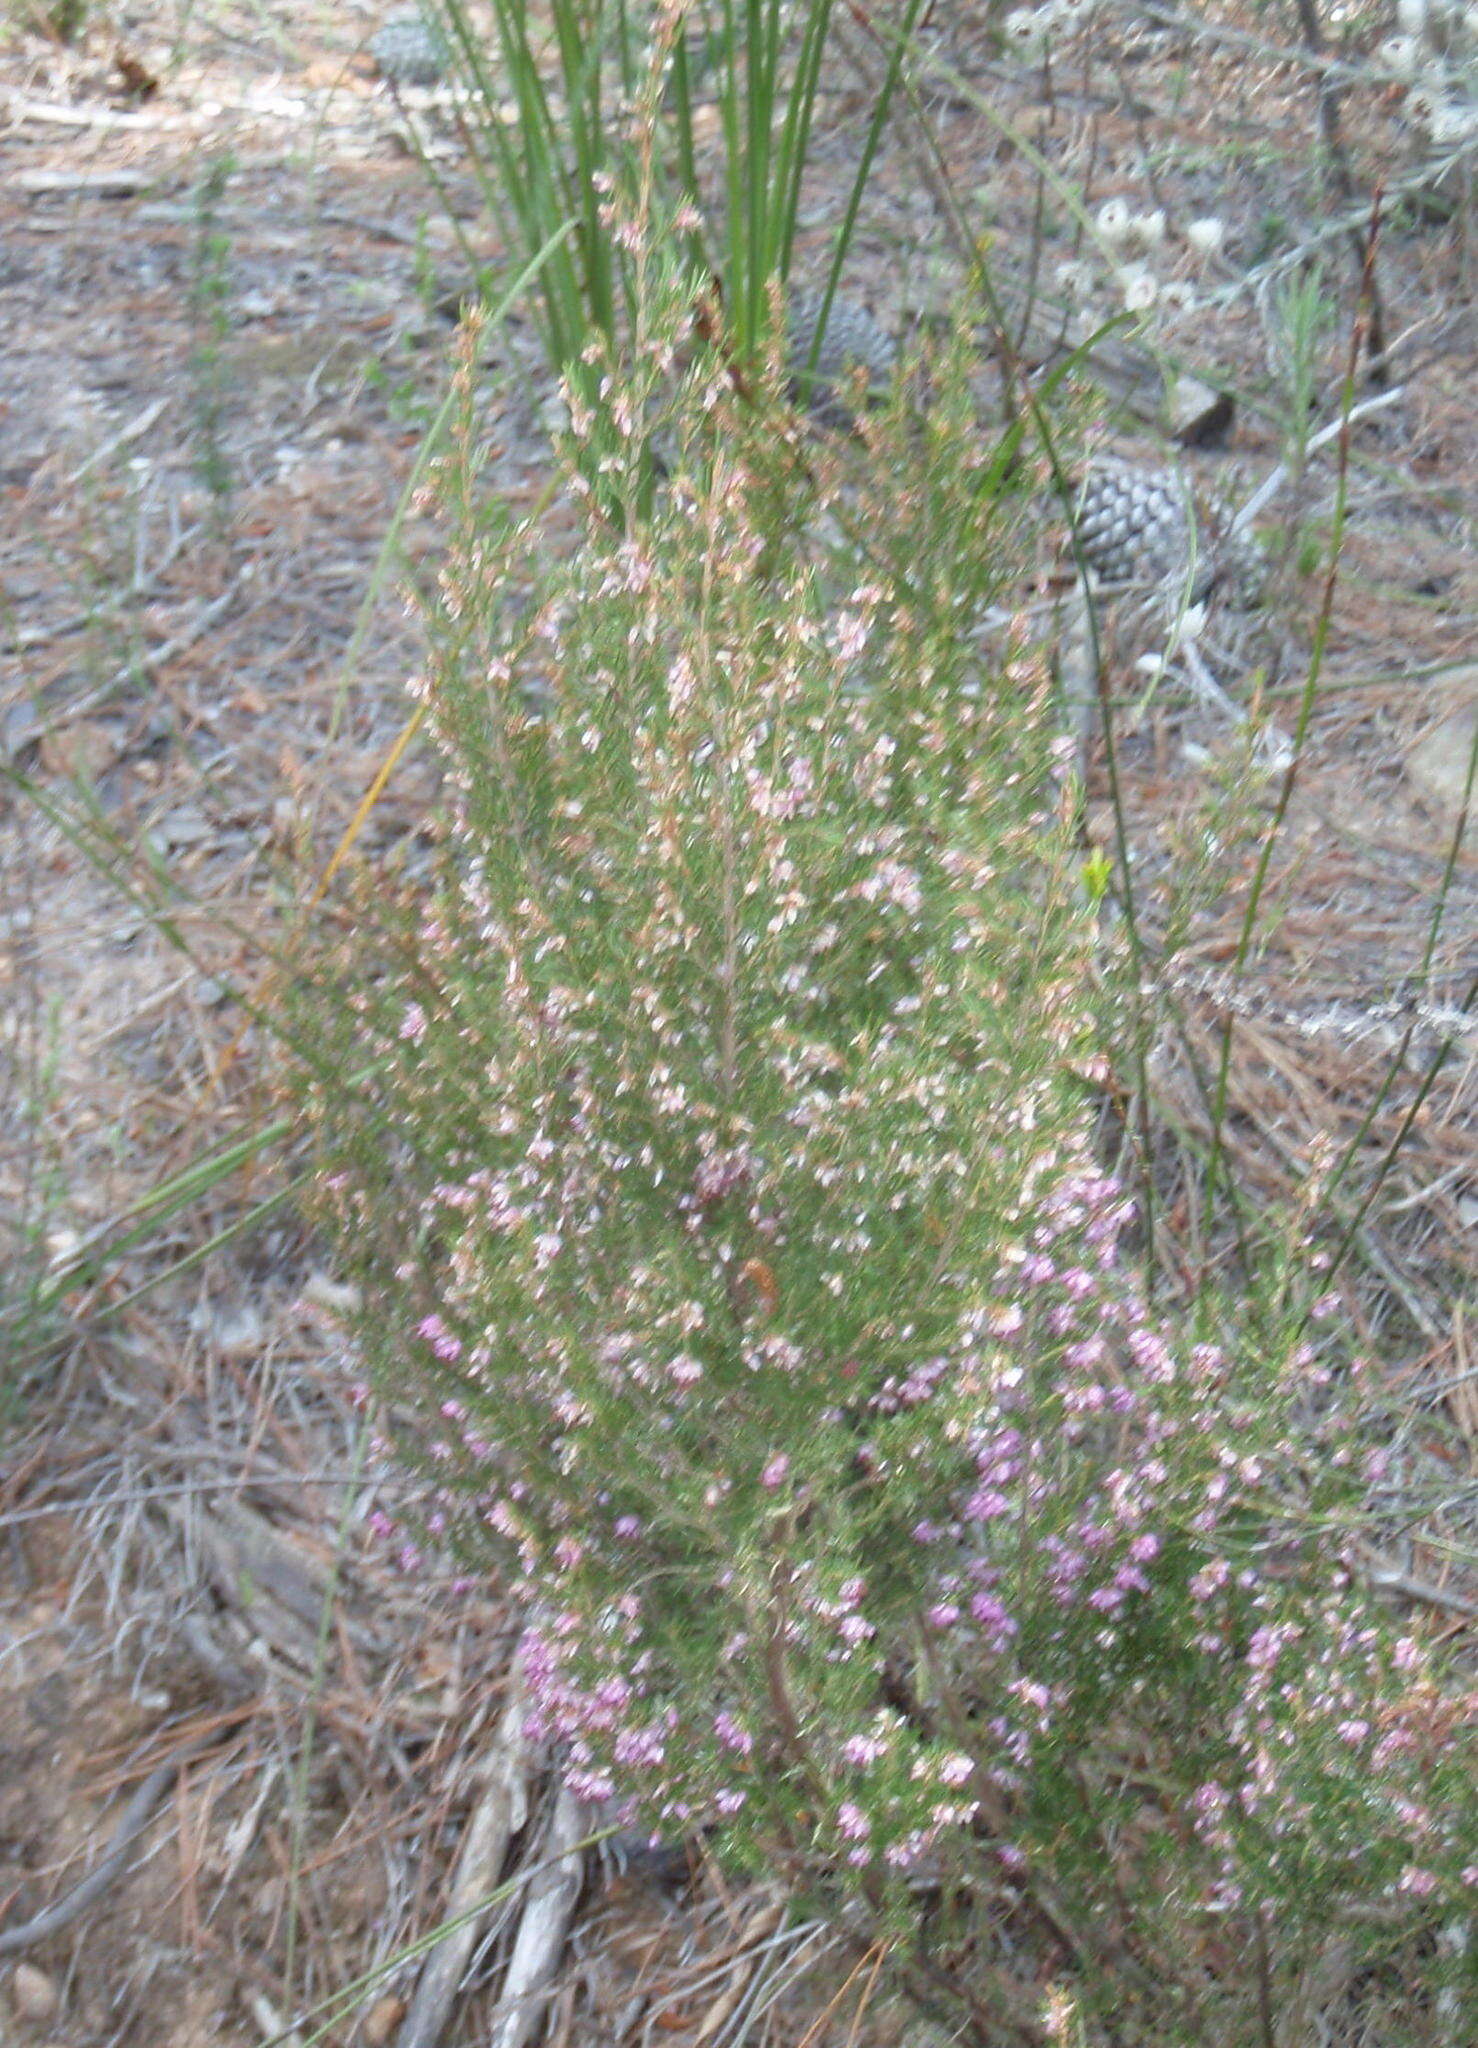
(409, 51)
(1146, 528)
(852, 337)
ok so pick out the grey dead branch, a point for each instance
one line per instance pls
(500, 1779)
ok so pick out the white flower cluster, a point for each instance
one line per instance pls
(1028, 30)
(1435, 55)
(1127, 240)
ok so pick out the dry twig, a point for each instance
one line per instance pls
(499, 1814)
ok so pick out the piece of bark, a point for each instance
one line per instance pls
(540, 1940)
(497, 1817)
(1186, 407)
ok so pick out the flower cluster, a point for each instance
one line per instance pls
(1434, 54)
(726, 1198)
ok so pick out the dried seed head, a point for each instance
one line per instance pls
(1131, 524)
(1026, 28)
(1144, 527)
(1401, 56)
(852, 337)
(1206, 236)
(1113, 221)
(1451, 122)
(409, 51)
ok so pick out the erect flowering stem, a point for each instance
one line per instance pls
(782, 1706)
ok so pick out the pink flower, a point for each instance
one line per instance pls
(773, 1476)
(853, 1824)
(1210, 1801)
(644, 1748)
(953, 1813)
(1151, 1354)
(731, 1735)
(862, 1750)
(993, 1614)
(440, 1338)
(1084, 1356)
(1210, 1579)
(719, 1174)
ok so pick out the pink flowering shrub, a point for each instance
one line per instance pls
(737, 1253)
